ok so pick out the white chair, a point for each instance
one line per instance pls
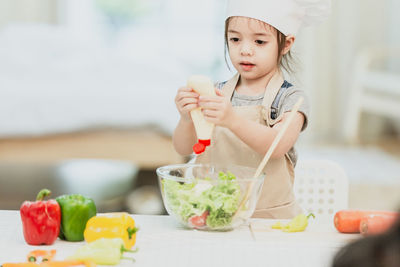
(373, 90)
(321, 187)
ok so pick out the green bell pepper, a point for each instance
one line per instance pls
(76, 210)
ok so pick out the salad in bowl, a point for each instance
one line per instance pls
(208, 197)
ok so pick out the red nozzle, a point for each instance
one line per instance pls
(199, 148)
(205, 142)
(201, 145)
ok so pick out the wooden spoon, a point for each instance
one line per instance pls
(271, 149)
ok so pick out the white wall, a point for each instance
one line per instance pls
(328, 53)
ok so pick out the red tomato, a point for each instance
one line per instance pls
(199, 220)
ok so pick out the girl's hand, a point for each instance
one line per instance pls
(217, 109)
(186, 100)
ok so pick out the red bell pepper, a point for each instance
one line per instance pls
(41, 220)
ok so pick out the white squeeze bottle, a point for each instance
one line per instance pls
(205, 87)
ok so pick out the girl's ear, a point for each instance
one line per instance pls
(288, 43)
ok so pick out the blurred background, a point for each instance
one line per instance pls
(87, 93)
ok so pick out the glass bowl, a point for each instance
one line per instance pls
(208, 197)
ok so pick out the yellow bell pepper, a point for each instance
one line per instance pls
(111, 225)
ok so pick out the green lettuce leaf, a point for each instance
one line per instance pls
(221, 199)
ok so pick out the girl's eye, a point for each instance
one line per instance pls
(260, 42)
(234, 39)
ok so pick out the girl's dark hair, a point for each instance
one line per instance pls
(283, 60)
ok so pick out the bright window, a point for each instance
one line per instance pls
(184, 33)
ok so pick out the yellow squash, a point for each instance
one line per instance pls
(111, 225)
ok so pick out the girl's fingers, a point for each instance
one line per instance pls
(185, 92)
(210, 105)
(186, 101)
(189, 107)
(185, 89)
(211, 113)
(219, 92)
(216, 99)
(183, 95)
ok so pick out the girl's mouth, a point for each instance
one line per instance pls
(246, 66)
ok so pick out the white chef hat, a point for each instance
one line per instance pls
(285, 15)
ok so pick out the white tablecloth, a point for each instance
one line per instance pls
(163, 242)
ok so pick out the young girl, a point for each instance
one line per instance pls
(251, 107)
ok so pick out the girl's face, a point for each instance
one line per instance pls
(253, 47)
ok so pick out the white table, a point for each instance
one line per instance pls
(163, 242)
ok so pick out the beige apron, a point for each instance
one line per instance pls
(277, 199)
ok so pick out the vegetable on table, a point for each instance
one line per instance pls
(199, 220)
(297, 224)
(376, 224)
(204, 203)
(104, 251)
(45, 255)
(76, 210)
(65, 263)
(20, 264)
(40, 219)
(348, 221)
(112, 225)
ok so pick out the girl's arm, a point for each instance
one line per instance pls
(219, 111)
(260, 137)
(184, 136)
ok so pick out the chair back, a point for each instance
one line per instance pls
(321, 187)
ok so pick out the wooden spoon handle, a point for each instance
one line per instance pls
(271, 149)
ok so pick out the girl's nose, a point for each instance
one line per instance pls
(246, 50)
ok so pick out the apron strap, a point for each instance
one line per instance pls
(275, 105)
(270, 95)
(230, 85)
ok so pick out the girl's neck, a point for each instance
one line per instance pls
(254, 86)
